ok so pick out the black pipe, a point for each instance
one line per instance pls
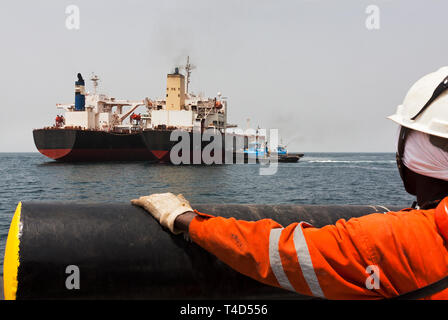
(2, 297)
(123, 253)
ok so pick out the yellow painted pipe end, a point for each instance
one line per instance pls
(12, 261)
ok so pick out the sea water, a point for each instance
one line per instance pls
(318, 178)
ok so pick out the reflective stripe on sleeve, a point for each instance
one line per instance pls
(275, 261)
(305, 262)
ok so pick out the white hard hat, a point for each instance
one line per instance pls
(425, 107)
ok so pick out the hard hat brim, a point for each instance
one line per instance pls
(415, 125)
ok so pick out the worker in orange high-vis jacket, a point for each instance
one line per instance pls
(405, 251)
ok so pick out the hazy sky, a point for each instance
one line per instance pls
(309, 68)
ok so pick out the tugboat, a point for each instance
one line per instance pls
(284, 156)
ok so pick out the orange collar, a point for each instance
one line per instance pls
(441, 216)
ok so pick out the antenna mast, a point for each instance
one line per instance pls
(188, 67)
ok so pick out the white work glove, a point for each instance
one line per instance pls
(164, 207)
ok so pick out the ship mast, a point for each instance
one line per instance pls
(188, 67)
(95, 80)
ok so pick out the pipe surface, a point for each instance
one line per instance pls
(123, 253)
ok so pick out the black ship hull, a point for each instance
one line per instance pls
(199, 148)
(75, 145)
(72, 145)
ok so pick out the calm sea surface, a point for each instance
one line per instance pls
(318, 178)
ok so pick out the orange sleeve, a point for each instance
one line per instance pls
(243, 245)
(328, 262)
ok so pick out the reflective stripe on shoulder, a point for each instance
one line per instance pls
(275, 261)
(303, 256)
(305, 262)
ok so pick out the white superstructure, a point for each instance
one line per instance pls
(180, 109)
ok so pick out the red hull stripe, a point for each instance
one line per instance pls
(55, 153)
(159, 153)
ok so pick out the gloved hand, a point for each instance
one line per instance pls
(165, 207)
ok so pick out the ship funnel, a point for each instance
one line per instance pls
(80, 100)
(175, 90)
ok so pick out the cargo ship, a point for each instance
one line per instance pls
(101, 128)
